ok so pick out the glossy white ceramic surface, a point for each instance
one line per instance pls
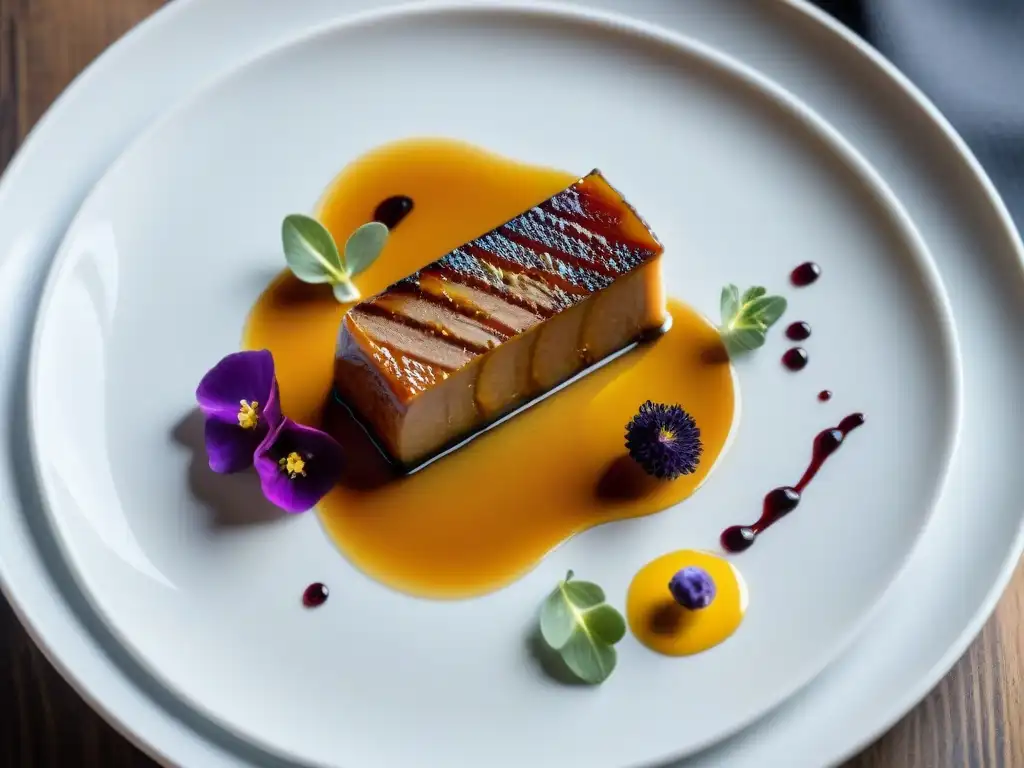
(160, 267)
(966, 229)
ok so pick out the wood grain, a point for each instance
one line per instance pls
(974, 719)
(43, 45)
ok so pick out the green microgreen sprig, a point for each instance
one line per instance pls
(747, 318)
(577, 623)
(313, 257)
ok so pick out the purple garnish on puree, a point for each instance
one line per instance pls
(239, 398)
(664, 440)
(693, 588)
(297, 465)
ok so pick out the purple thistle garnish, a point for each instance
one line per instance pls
(297, 465)
(664, 440)
(693, 588)
(239, 398)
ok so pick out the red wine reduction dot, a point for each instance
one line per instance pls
(798, 331)
(825, 395)
(737, 538)
(315, 594)
(781, 501)
(795, 359)
(392, 210)
(805, 274)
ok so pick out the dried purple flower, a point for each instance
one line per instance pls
(664, 440)
(297, 465)
(240, 400)
(693, 588)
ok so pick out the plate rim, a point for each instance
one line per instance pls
(35, 617)
(898, 708)
(584, 18)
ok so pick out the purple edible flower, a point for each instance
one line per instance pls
(240, 400)
(693, 588)
(664, 440)
(297, 465)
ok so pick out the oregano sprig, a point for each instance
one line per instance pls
(313, 256)
(747, 318)
(576, 622)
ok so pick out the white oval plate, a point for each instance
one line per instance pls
(964, 223)
(166, 256)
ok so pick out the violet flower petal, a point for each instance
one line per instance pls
(239, 376)
(229, 447)
(271, 411)
(321, 465)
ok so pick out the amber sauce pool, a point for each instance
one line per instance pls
(486, 514)
(664, 626)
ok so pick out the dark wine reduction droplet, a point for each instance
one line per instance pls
(795, 359)
(805, 274)
(825, 395)
(850, 423)
(315, 594)
(391, 211)
(826, 443)
(798, 331)
(737, 538)
(779, 502)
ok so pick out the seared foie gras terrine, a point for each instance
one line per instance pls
(500, 320)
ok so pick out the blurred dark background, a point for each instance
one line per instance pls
(968, 57)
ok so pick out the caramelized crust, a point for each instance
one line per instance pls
(500, 320)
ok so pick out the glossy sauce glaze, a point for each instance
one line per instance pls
(781, 501)
(392, 210)
(315, 595)
(500, 320)
(825, 395)
(660, 623)
(798, 331)
(484, 515)
(805, 274)
(795, 359)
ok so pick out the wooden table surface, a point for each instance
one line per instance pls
(974, 718)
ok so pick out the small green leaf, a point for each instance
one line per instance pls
(605, 623)
(590, 659)
(564, 608)
(583, 594)
(577, 622)
(730, 303)
(345, 291)
(309, 250)
(767, 309)
(746, 323)
(745, 339)
(557, 621)
(364, 246)
(753, 293)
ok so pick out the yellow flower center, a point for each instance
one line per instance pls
(248, 416)
(293, 464)
(666, 435)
